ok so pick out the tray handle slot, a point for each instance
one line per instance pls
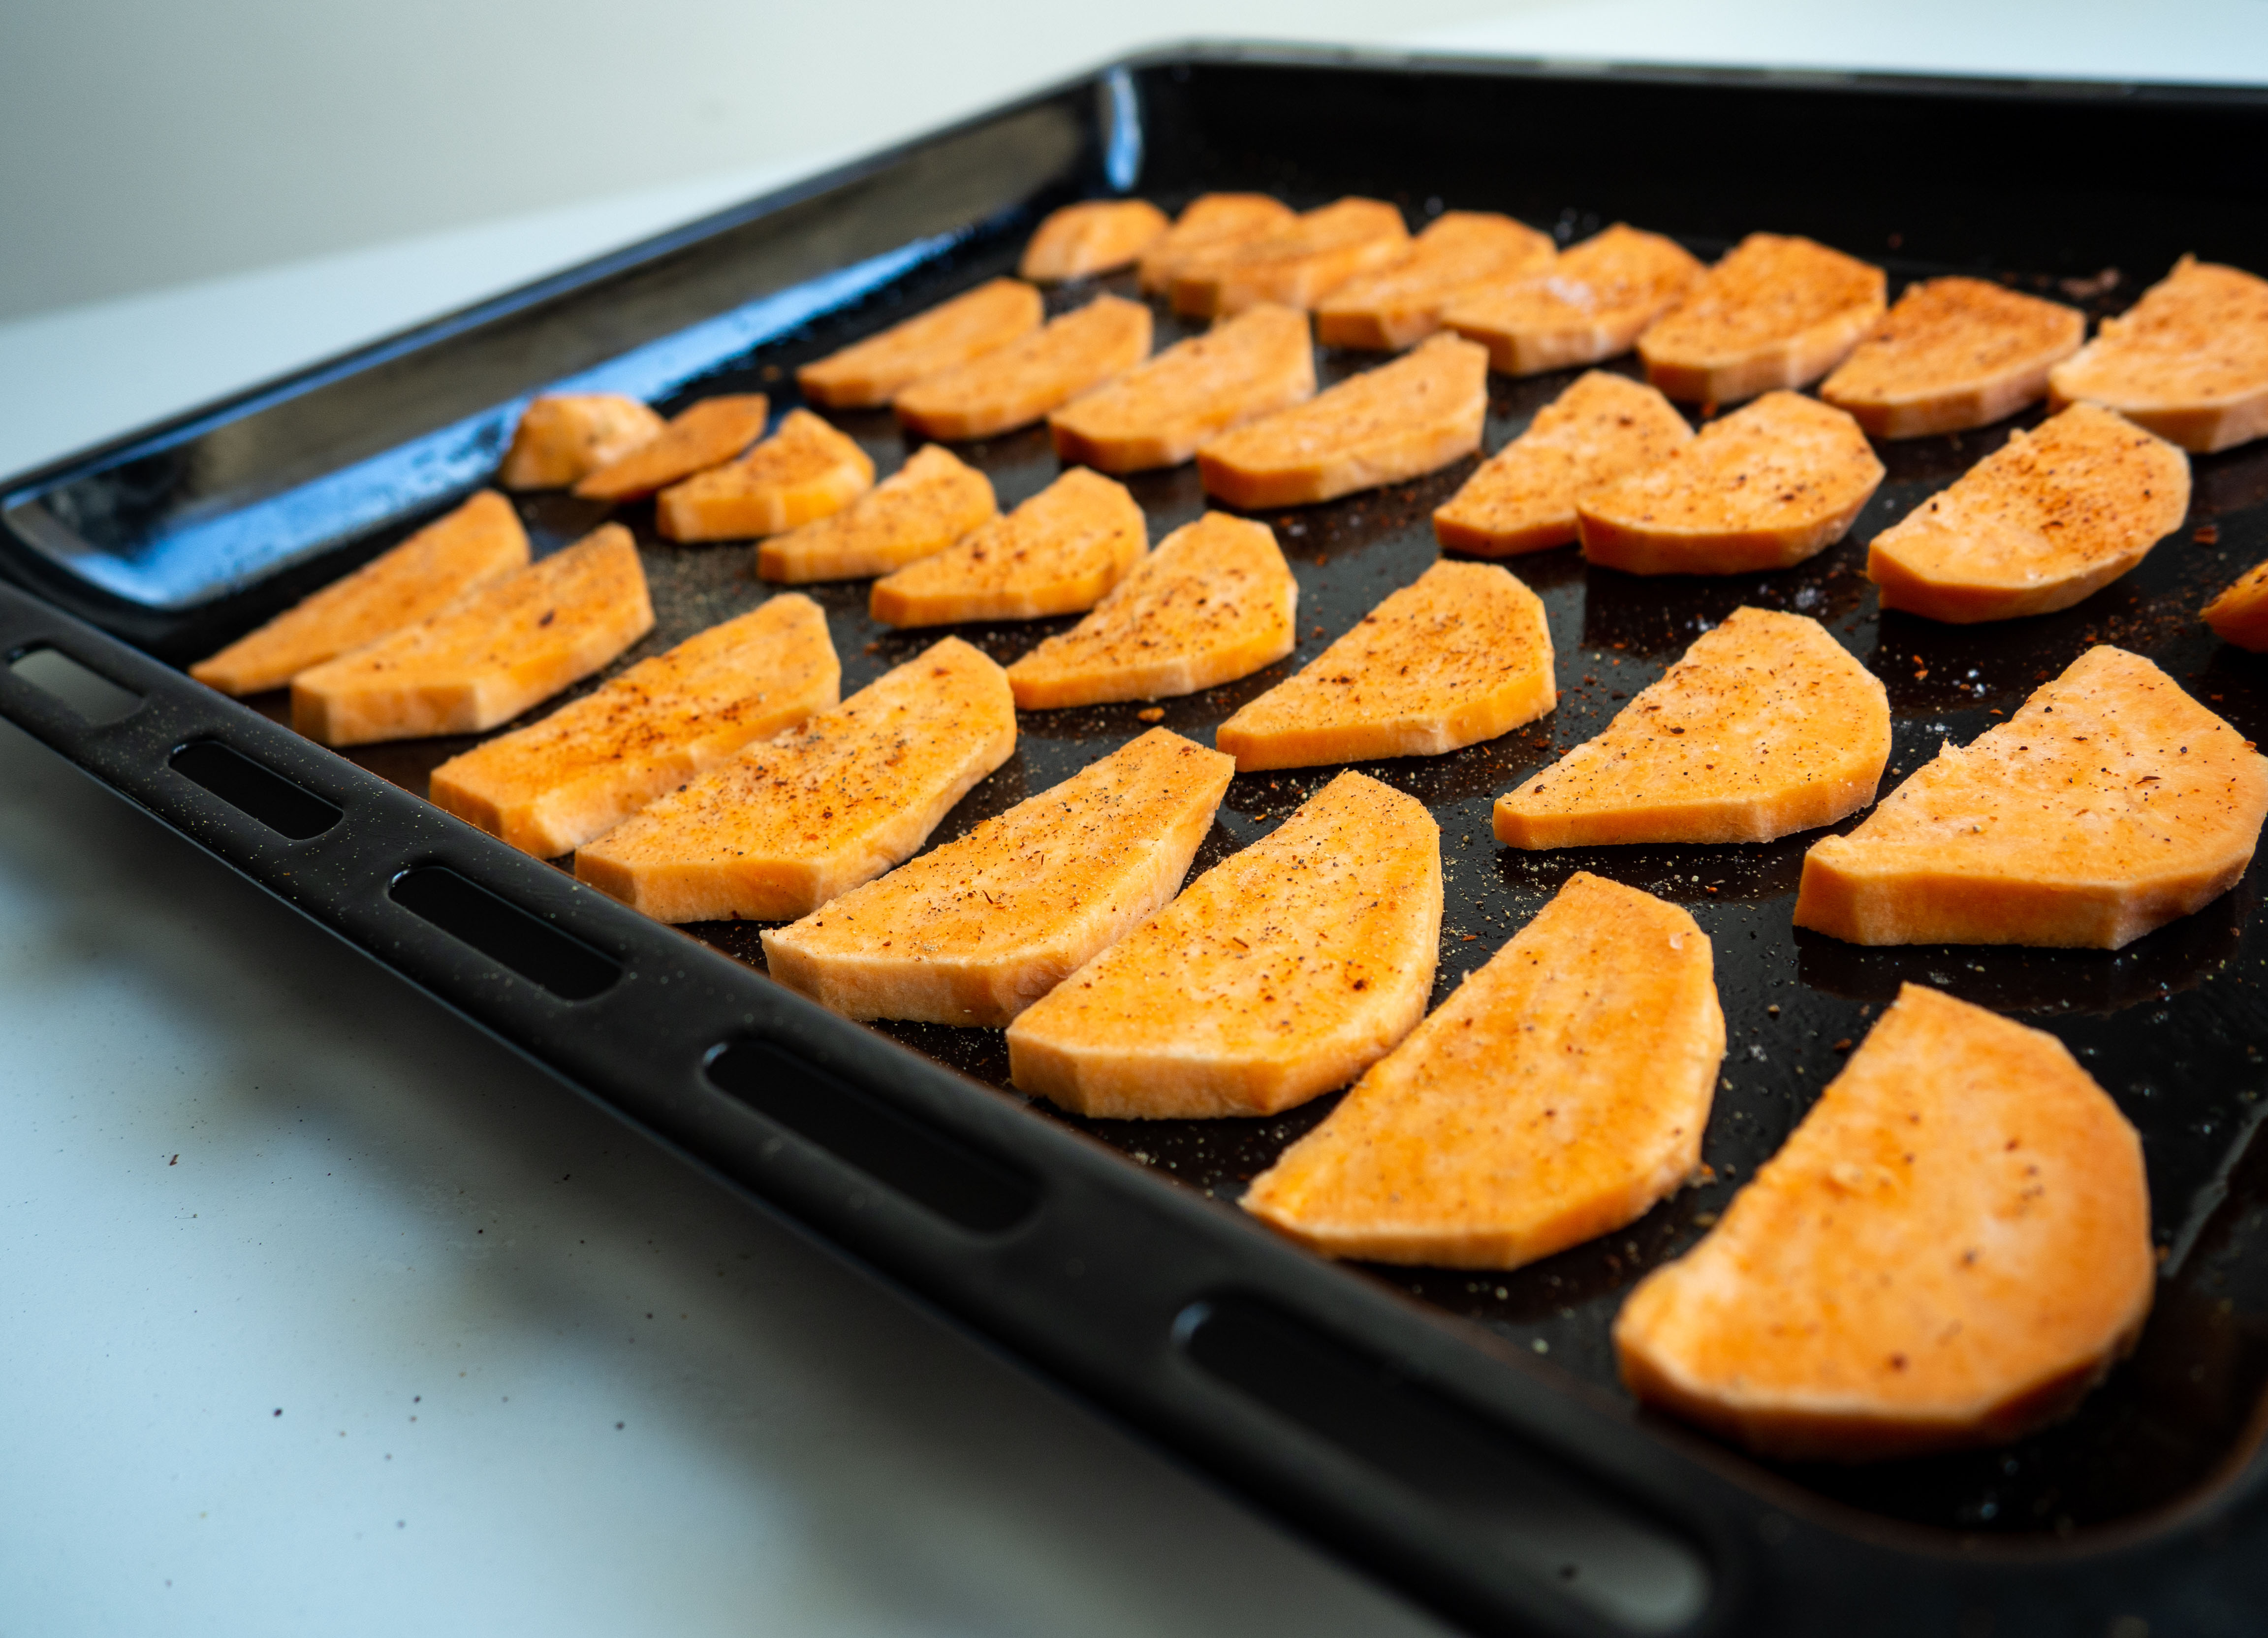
(255, 789)
(504, 933)
(88, 695)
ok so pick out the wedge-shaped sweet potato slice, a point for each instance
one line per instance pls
(1093, 236)
(1214, 602)
(700, 436)
(1766, 727)
(1953, 353)
(873, 372)
(1400, 304)
(2051, 516)
(500, 648)
(1296, 264)
(1774, 313)
(1397, 422)
(2240, 614)
(923, 507)
(1282, 972)
(1766, 487)
(1556, 1094)
(1019, 384)
(1950, 1250)
(1463, 655)
(1056, 554)
(1589, 306)
(804, 471)
(1158, 413)
(562, 437)
(1523, 497)
(551, 786)
(976, 931)
(2109, 805)
(471, 546)
(2189, 361)
(790, 822)
(1209, 222)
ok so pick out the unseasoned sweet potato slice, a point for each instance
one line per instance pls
(471, 546)
(1767, 726)
(923, 507)
(1766, 487)
(551, 786)
(1214, 602)
(1158, 413)
(488, 656)
(700, 436)
(1949, 1251)
(1400, 304)
(1093, 236)
(874, 370)
(976, 931)
(1461, 656)
(1556, 1094)
(1296, 264)
(1587, 306)
(2189, 361)
(790, 822)
(1020, 383)
(804, 471)
(1283, 971)
(1056, 554)
(1953, 353)
(562, 437)
(2109, 805)
(2050, 517)
(1523, 497)
(2240, 614)
(1775, 313)
(1209, 222)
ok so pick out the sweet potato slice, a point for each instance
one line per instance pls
(1296, 264)
(471, 546)
(1950, 1250)
(1767, 726)
(1587, 306)
(804, 471)
(700, 436)
(1093, 236)
(562, 437)
(1774, 313)
(2189, 361)
(1523, 497)
(1556, 1094)
(1764, 488)
(2050, 517)
(1019, 384)
(1283, 971)
(2240, 614)
(1056, 554)
(1399, 421)
(1953, 353)
(923, 507)
(488, 656)
(790, 822)
(1463, 655)
(1400, 304)
(2109, 805)
(551, 786)
(1158, 413)
(873, 372)
(976, 931)
(1209, 222)
(1214, 602)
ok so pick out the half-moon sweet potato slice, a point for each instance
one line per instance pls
(2189, 361)
(1019, 383)
(806, 469)
(923, 507)
(1158, 412)
(1589, 306)
(700, 436)
(1093, 236)
(1775, 313)
(873, 372)
(1208, 224)
(1056, 554)
(562, 437)
(1953, 353)
(1296, 264)
(1400, 304)
(2240, 614)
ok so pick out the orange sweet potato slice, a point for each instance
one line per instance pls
(873, 372)
(1764, 488)
(1589, 306)
(1523, 497)
(1296, 264)
(1400, 304)
(1767, 726)
(1556, 1094)
(923, 507)
(1397, 422)
(1282, 972)
(2189, 361)
(2240, 614)
(1209, 222)
(1019, 383)
(791, 823)
(702, 435)
(1949, 1251)
(1214, 602)
(804, 471)
(488, 656)
(1094, 236)
(976, 931)
(1056, 554)
(1774, 313)
(2051, 516)
(2109, 805)
(471, 546)
(1953, 353)
(562, 437)
(551, 786)
(1158, 413)
(1463, 655)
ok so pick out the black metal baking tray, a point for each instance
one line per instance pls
(1462, 1436)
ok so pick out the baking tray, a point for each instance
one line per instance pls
(1459, 1434)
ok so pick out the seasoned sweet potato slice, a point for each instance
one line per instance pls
(1775, 313)
(2050, 517)
(700, 436)
(790, 822)
(2109, 805)
(1587, 306)
(1296, 264)
(1768, 726)
(488, 656)
(1020, 383)
(1400, 304)
(923, 507)
(1950, 1250)
(874, 370)
(551, 786)
(1282, 972)
(2189, 361)
(1953, 353)
(1556, 1094)
(1209, 222)
(1093, 236)
(1158, 413)
(804, 471)
(2240, 614)
(1056, 554)
(976, 931)
(562, 437)
(1214, 602)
